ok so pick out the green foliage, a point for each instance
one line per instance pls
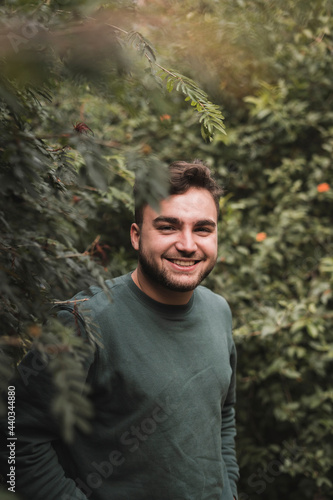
(211, 117)
(66, 203)
(71, 406)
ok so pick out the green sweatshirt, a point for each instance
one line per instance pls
(163, 380)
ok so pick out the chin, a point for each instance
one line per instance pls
(182, 287)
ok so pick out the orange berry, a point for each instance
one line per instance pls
(261, 236)
(323, 187)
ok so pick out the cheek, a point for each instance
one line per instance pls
(159, 243)
(154, 245)
(211, 248)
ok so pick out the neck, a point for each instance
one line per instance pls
(158, 292)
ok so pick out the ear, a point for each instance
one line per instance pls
(135, 236)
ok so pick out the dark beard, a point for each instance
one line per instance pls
(160, 277)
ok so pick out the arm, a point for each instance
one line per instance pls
(228, 431)
(38, 473)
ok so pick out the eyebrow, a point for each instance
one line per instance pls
(177, 222)
(169, 220)
(205, 222)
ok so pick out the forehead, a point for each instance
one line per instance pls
(195, 204)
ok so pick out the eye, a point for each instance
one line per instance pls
(204, 230)
(166, 228)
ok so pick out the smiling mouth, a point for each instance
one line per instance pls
(183, 263)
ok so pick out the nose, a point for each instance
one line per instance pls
(186, 242)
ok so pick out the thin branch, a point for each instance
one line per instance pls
(116, 28)
(72, 255)
(63, 302)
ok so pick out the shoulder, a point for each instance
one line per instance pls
(215, 310)
(216, 306)
(213, 299)
(86, 306)
(97, 297)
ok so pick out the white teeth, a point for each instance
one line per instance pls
(183, 263)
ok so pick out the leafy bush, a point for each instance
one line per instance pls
(66, 196)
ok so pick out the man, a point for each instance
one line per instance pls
(162, 373)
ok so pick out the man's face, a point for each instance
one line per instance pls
(177, 246)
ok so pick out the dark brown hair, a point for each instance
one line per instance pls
(182, 177)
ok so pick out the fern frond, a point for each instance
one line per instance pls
(142, 45)
(211, 118)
